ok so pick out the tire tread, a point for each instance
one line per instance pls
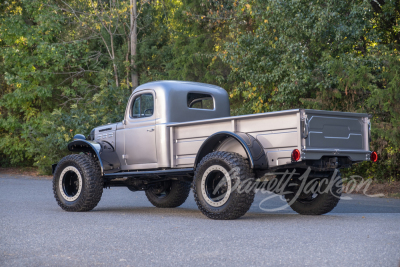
(176, 198)
(93, 189)
(242, 201)
(328, 202)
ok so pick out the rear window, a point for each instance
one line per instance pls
(200, 101)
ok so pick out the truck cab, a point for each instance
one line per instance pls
(141, 141)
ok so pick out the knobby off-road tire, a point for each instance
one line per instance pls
(220, 202)
(77, 183)
(168, 194)
(320, 203)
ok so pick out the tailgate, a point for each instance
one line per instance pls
(342, 133)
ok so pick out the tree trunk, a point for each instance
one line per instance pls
(127, 59)
(113, 59)
(116, 75)
(133, 33)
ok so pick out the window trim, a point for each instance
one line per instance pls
(203, 93)
(133, 101)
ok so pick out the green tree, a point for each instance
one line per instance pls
(333, 55)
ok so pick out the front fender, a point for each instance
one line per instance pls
(87, 146)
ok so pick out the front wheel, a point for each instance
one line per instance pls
(77, 183)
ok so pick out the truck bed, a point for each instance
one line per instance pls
(315, 133)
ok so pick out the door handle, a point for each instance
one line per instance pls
(150, 130)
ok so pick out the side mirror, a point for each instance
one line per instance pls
(124, 122)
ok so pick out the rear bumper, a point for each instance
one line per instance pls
(354, 155)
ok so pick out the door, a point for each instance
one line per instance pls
(140, 131)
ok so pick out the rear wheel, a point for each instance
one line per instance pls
(77, 183)
(317, 196)
(168, 194)
(223, 186)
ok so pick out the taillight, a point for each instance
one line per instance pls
(295, 155)
(374, 156)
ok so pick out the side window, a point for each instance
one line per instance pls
(143, 106)
(200, 101)
(136, 108)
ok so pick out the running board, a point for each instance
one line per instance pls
(158, 173)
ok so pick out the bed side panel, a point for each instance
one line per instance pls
(187, 140)
(278, 135)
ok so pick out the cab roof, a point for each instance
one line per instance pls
(171, 100)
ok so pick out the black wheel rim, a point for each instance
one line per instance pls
(216, 185)
(70, 184)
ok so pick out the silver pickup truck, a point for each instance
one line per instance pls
(175, 134)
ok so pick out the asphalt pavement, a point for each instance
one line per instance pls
(126, 230)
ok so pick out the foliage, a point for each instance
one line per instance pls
(56, 83)
(332, 55)
(65, 65)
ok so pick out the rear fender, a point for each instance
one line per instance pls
(254, 150)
